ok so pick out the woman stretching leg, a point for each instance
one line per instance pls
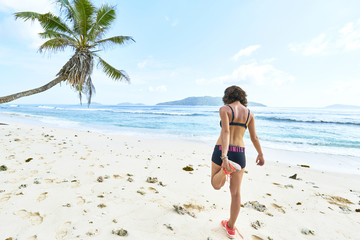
(228, 159)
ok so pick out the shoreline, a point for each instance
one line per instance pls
(327, 162)
(69, 184)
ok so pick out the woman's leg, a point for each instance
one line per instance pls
(218, 177)
(235, 183)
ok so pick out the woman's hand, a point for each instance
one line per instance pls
(226, 165)
(260, 160)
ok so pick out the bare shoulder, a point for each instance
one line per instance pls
(224, 109)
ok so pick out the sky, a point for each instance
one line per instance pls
(282, 53)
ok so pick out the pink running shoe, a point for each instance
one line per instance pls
(229, 231)
(234, 166)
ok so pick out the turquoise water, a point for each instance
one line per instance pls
(319, 130)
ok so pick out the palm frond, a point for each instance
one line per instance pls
(51, 22)
(66, 8)
(55, 34)
(27, 16)
(84, 10)
(105, 15)
(113, 40)
(48, 21)
(98, 33)
(112, 72)
(57, 44)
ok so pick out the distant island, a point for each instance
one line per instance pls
(342, 106)
(204, 101)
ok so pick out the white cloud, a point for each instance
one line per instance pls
(172, 22)
(269, 60)
(201, 81)
(143, 64)
(150, 62)
(161, 88)
(317, 45)
(259, 74)
(346, 87)
(25, 31)
(245, 52)
(346, 92)
(41, 6)
(346, 38)
(350, 36)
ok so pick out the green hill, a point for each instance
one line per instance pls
(204, 101)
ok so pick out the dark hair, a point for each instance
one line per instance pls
(234, 93)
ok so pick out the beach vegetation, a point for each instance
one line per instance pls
(81, 27)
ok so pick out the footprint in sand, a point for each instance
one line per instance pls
(80, 201)
(6, 197)
(32, 238)
(254, 237)
(34, 217)
(49, 180)
(63, 231)
(279, 208)
(42, 196)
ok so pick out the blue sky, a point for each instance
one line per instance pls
(282, 53)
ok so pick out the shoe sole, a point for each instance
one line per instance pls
(235, 166)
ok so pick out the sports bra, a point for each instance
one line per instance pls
(235, 123)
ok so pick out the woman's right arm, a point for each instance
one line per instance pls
(255, 140)
(225, 136)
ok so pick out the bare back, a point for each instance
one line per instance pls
(237, 114)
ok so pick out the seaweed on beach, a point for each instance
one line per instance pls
(182, 211)
(3, 168)
(188, 168)
(168, 226)
(336, 200)
(152, 180)
(257, 224)
(255, 205)
(306, 231)
(304, 166)
(194, 206)
(120, 232)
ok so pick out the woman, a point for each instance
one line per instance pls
(228, 158)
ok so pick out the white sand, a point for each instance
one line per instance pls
(57, 195)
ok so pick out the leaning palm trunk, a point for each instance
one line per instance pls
(12, 97)
(76, 71)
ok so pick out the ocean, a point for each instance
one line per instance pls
(315, 130)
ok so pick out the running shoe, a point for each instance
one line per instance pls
(234, 166)
(229, 231)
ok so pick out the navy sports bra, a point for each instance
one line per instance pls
(235, 123)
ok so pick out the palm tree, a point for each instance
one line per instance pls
(82, 28)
